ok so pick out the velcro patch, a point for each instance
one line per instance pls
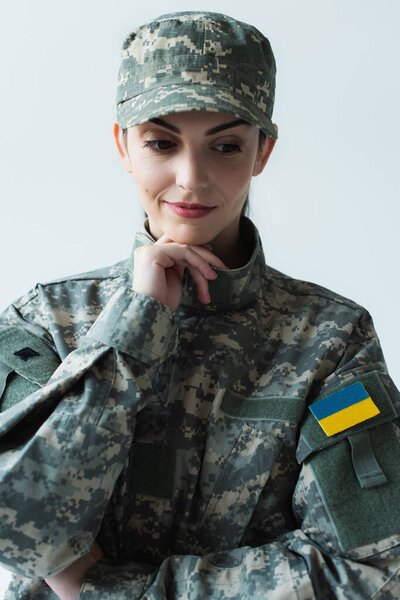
(27, 354)
(345, 408)
(153, 470)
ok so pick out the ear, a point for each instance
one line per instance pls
(122, 148)
(265, 153)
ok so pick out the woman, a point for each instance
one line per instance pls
(190, 423)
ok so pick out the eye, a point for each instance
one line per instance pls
(236, 149)
(232, 149)
(152, 144)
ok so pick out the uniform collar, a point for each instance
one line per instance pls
(233, 288)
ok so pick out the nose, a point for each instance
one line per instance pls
(191, 171)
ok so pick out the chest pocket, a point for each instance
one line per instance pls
(26, 364)
(244, 440)
(357, 470)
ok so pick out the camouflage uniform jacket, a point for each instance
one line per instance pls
(184, 443)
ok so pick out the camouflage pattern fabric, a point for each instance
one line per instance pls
(195, 60)
(182, 440)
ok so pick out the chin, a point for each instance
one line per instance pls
(187, 234)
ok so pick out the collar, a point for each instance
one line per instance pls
(233, 288)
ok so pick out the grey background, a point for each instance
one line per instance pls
(327, 204)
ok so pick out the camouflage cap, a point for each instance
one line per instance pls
(195, 60)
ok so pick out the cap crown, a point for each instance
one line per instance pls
(207, 54)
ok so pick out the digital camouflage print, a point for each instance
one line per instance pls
(194, 60)
(182, 440)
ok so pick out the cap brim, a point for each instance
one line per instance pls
(178, 98)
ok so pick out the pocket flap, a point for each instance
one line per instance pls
(271, 408)
(313, 437)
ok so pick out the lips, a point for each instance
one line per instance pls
(190, 205)
(189, 211)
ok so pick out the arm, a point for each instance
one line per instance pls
(347, 540)
(64, 445)
(65, 439)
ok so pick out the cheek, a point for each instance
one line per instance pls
(236, 179)
(149, 179)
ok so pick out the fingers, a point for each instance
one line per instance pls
(202, 284)
(154, 266)
(188, 256)
(198, 267)
(164, 239)
(211, 258)
(96, 551)
(204, 250)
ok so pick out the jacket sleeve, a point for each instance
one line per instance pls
(345, 503)
(66, 425)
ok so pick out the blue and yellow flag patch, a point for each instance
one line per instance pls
(345, 408)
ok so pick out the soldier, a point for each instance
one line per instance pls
(190, 422)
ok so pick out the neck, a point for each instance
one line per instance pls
(234, 257)
(229, 247)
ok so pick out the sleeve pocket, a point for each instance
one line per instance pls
(356, 471)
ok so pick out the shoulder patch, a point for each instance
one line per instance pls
(27, 354)
(355, 464)
(312, 435)
(343, 409)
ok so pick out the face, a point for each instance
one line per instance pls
(181, 159)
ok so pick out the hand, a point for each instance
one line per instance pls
(158, 270)
(67, 584)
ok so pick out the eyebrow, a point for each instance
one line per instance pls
(209, 132)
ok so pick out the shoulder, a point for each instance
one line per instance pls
(61, 311)
(293, 298)
(101, 274)
(86, 283)
(293, 294)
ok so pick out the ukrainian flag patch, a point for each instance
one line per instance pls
(345, 408)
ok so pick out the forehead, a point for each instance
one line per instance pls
(208, 121)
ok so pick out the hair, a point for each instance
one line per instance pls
(261, 140)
